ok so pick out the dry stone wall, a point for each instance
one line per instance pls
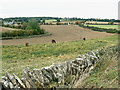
(56, 75)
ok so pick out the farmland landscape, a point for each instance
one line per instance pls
(41, 52)
(59, 44)
(14, 52)
(106, 26)
(61, 33)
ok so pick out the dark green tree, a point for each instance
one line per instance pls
(43, 21)
(58, 20)
(24, 25)
(111, 22)
(33, 25)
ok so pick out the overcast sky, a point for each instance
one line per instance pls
(59, 8)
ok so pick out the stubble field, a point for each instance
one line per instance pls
(61, 33)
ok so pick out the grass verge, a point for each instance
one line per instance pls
(105, 74)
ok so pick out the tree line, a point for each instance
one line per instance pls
(27, 19)
(28, 29)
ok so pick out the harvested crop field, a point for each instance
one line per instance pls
(61, 33)
(5, 29)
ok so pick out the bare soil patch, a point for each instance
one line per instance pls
(5, 29)
(61, 33)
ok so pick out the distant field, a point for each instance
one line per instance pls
(106, 26)
(70, 20)
(54, 20)
(51, 20)
(5, 29)
(61, 33)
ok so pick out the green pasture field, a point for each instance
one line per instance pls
(106, 26)
(62, 20)
(16, 57)
(51, 20)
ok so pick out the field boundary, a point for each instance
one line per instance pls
(100, 29)
(65, 74)
(61, 33)
(21, 37)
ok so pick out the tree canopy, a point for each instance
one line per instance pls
(33, 25)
